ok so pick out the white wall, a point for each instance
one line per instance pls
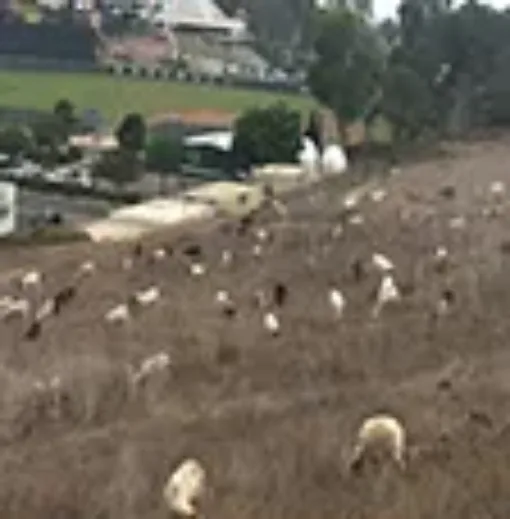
(8, 208)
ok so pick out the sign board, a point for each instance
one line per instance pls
(8, 209)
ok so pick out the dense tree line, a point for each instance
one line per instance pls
(436, 68)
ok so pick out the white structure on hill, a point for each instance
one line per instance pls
(201, 14)
(8, 208)
(174, 14)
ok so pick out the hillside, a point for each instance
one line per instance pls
(273, 419)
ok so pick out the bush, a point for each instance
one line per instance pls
(119, 166)
(131, 133)
(267, 135)
(15, 141)
(164, 154)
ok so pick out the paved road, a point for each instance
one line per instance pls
(32, 206)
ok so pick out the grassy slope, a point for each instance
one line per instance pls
(273, 420)
(114, 96)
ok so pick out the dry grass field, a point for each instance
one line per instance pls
(273, 419)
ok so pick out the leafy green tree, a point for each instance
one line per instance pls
(118, 166)
(348, 66)
(16, 140)
(407, 102)
(131, 133)
(267, 135)
(64, 111)
(164, 154)
(49, 132)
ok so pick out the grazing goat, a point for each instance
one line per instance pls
(147, 297)
(32, 278)
(63, 297)
(280, 294)
(228, 306)
(118, 314)
(380, 431)
(184, 487)
(197, 269)
(382, 263)
(192, 250)
(153, 364)
(337, 301)
(11, 307)
(271, 323)
(34, 330)
(387, 293)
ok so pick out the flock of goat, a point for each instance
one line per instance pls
(187, 483)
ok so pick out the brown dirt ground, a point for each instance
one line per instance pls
(273, 419)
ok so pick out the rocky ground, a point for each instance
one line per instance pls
(273, 418)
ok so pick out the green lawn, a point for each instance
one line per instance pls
(115, 96)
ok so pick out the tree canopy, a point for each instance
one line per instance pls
(131, 133)
(267, 135)
(436, 67)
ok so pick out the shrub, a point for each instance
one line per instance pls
(164, 154)
(267, 135)
(119, 166)
(131, 133)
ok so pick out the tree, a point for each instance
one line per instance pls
(407, 102)
(266, 19)
(267, 135)
(131, 133)
(64, 111)
(49, 132)
(16, 141)
(164, 154)
(348, 65)
(118, 166)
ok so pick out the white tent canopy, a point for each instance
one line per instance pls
(198, 13)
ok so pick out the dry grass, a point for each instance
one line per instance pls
(273, 419)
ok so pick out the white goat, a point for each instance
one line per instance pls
(351, 201)
(118, 314)
(227, 257)
(334, 160)
(387, 293)
(159, 254)
(197, 269)
(457, 223)
(32, 278)
(337, 301)
(87, 268)
(357, 219)
(223, 297)
(497, 188)
(155, 363)
(262, 234)
(12, 307)
(280, 207)
(184, 487)
(148, 297)
(378, 195)
(383, 431)
(45, 310)
(383, 263)
(271, 323)
(441, 253)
